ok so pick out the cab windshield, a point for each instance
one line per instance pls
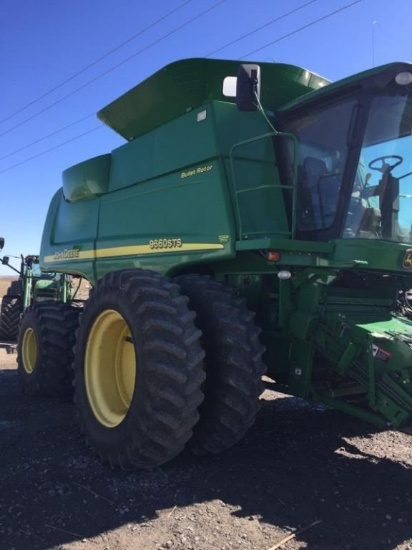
(350, 187)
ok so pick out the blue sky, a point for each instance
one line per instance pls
(60, 62)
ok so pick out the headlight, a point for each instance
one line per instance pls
(404, 78)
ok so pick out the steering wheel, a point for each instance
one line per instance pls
(385, 167)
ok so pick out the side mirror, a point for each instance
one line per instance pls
(248, 87)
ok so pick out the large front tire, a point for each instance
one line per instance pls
(234, 365)
(45, 349)
(138, 369)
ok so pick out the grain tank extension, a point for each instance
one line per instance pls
(257, 220)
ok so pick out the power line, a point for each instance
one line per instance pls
(95, 62)
(156, 42)
(260, 28)
(114, 67)
(45, 137)
(51, 149)
(118, 47)
(103, 74)
(302, 28)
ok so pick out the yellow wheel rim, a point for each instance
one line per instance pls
(29, 351)
(110, 368)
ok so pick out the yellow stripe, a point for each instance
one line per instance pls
(133, 250)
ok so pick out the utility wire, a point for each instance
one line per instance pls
(260, 28)
(157, 41)
(114, 67)
(45, 137)
(95, 62)
(302, 28)
(103, 74)
(52, 149)
(117, 48)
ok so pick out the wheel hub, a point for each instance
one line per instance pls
(110, 368)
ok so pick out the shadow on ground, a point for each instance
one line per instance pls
(295, 467)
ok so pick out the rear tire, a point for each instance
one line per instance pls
(15, 289)
(234, 365)
(137, 369)
(45, 349)
(11, 309)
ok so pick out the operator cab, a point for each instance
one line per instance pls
(353, 155)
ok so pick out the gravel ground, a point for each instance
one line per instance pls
(315, 476)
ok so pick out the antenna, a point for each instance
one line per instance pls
(374, 23)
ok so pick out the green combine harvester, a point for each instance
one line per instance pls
(257, 221)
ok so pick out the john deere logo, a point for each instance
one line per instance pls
(407, 259)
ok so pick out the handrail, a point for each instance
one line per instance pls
(237, 192)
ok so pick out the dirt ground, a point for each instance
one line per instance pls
(327, 480)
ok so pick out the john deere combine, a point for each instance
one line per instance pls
(258, 219)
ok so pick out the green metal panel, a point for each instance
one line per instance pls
(87, 180)
(170, 216)
(69, 234)
(187, 84)
(75, 222)
(166, 149)
(346, 84)
(372, 254)
(378, 356)
(258, 193)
